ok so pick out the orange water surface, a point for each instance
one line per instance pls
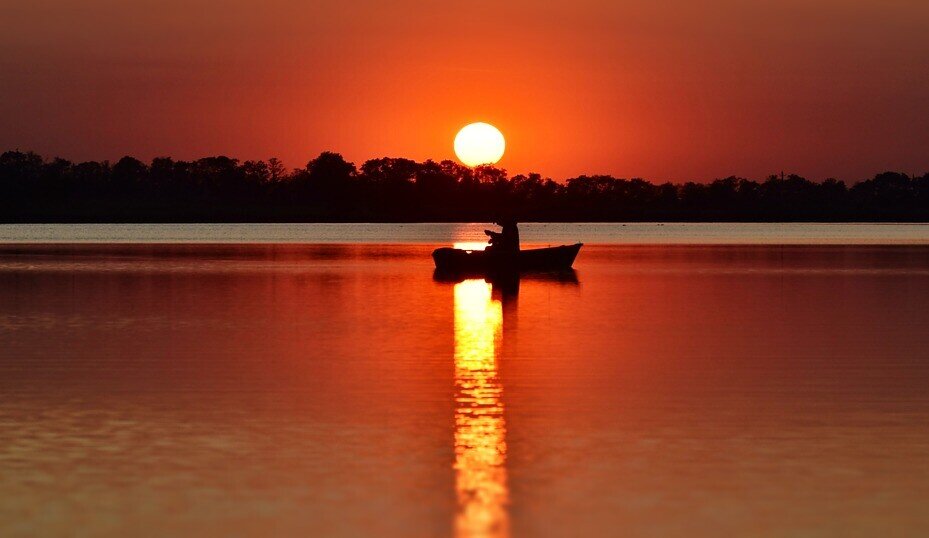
(342, 390)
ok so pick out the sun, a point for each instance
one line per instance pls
(479, 143)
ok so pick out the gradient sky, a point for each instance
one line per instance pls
(667, 90)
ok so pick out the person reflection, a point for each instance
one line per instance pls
(480, 426)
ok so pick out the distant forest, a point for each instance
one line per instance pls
(330, 189)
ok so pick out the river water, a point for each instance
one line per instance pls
(227, 385)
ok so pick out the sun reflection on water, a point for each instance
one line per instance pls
(470, 245)
(480, 428)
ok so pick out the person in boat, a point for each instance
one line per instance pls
(507, 240)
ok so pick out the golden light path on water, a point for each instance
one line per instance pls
(480, 428)
(470, 245)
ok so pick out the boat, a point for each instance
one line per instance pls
(455, 260)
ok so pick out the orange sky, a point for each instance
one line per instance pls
(667, 90)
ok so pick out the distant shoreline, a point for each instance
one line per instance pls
(395, 190)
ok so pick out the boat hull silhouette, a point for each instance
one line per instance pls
(453, 260)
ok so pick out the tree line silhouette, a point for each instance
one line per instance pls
(330, 189)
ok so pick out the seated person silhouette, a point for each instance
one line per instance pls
(506, 241)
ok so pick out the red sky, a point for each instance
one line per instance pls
(667, 90)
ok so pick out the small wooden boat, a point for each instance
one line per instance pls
(454, 260)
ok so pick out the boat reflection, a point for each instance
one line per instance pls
(480, 426)
(507, 285)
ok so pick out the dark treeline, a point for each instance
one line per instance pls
(217, 189)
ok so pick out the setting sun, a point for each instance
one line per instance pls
(479, 143)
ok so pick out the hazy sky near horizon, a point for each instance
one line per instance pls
(666, 90)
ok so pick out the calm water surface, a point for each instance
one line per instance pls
(539, 233)
(276, 389)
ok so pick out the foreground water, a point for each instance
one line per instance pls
(341, 390)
